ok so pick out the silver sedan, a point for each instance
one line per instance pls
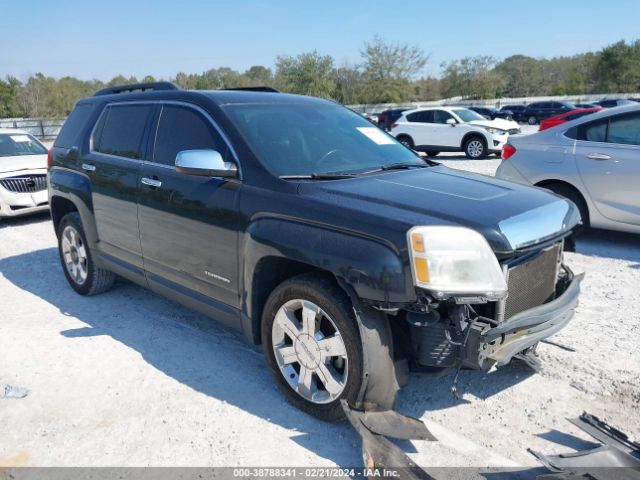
(593, 161)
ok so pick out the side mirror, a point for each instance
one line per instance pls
(451, 121)
(205, 163)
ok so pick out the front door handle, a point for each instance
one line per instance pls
(599, 156)
(88, 167)
(152, 182)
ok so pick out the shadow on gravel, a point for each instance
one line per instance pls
(217, 361)
(8, 222)
(609, 244)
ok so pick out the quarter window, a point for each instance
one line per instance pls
(122, 129)
(181, 129)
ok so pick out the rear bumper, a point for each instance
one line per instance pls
(499, 344)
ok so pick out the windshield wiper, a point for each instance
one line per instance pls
(398, 166)
(319, 176)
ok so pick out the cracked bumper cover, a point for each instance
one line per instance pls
(498, 345)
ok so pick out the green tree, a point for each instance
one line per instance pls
(618, 67)
(470, 77)
(306, 74)
(388, 70)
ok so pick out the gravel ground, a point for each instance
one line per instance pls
(130, 378)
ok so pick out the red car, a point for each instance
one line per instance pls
(565, 117)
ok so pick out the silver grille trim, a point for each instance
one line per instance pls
(25, 183)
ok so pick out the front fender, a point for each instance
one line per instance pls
(372, 268)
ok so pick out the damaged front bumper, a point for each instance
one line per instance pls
(498, 345)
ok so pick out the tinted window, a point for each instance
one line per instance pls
(593, 131)
(123, 131)
(18, 144)
(421, 117)
(625, 129)
(440, 116)
(72, 125)
(183, 129)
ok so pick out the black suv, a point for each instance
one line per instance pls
(535, 112)
(297, 222)
(491, 113)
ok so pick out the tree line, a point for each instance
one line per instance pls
(386, 73)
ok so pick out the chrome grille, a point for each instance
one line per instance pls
(532, 282)
(25, 184)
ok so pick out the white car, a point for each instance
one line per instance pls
(452, 129)
(23, 174)
(593, 161)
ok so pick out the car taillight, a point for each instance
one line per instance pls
(393, 126)
(49, 157)
(507, 151)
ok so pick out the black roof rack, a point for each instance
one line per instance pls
(134, 87)
(254, 89)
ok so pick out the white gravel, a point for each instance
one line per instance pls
(129, 378)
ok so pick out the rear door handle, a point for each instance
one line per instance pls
(152, 182)
(598, 156)
(88, 167)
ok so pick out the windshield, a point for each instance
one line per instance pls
(467, 115)
(303, 139)
(15, 144)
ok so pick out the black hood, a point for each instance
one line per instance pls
(509, 215)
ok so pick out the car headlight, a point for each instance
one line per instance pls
(454, 261)
(495, 131)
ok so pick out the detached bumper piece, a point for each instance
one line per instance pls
(378, 452)
(525, 329)
(618, 458)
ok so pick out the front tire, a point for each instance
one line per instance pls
(77, 262)
(475, 148)
(312, 345)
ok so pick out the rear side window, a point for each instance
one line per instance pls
(593, 131)
(625, 129)
(74, 123)
(421, 117)
(121, 131)
(181, 129)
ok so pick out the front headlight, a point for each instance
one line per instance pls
(495, 131)
(454, 261)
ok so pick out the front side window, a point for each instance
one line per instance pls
(19, 144)
(315, 137)
(440, 116)
(182, 128)
(121, 131)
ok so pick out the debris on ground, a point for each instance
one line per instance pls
(11, 391)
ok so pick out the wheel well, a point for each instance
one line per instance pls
(471, 135)
(268, 274)
(550, 183)
(59, 208)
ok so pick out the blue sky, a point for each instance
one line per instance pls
(91, 39)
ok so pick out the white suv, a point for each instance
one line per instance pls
(452, 129)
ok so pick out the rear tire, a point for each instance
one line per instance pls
(532, 120)
(575, 196)
(475, 148)
(306, 354)
(77, 261)
(407, 141)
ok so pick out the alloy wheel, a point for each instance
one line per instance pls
(475, 148)
(74, 254)
(310, 351)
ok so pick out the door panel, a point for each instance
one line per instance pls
(189, 224)
(609, 170)
(114, 166)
